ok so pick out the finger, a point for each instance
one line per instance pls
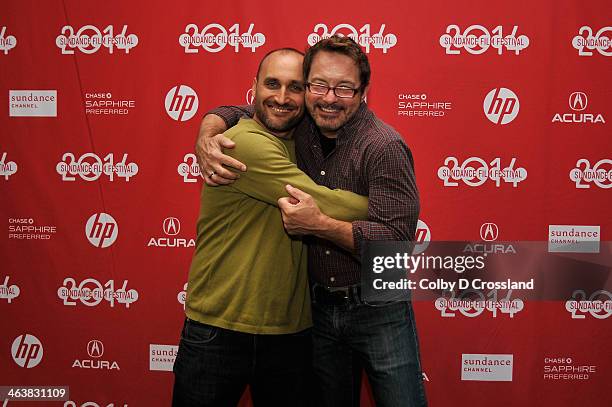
(224, 173)
(210, 182)
(283, 203)
(220, 180)
(296, 193)
(224, 141)
(231, 162)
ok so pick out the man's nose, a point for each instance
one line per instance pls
(281, 96)
(330, 96)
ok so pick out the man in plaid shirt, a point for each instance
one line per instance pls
(342, 144)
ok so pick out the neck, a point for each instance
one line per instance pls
(330, 134)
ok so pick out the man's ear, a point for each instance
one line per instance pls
(254, 87)
(364, 94)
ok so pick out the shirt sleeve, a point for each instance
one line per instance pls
(270, 169)
(232, 114)
(393, 197)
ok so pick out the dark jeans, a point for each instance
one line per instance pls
(214, 366)
(382, 339)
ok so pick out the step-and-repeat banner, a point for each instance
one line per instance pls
(504, 106)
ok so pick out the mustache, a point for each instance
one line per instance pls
(282, 106)
(334, 106)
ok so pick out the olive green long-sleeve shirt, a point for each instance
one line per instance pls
(247, 273)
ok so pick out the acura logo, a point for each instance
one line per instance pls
(95, 348)
(489, 232)
(172, 226)
(578, 101)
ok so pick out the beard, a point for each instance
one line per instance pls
(276, 124)
(329, 124)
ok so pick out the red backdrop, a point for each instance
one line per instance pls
(99, 188)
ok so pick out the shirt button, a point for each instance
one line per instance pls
(327, 252)
(322, 172)
(332, 279)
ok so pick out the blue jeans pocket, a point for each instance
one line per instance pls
(197, 333)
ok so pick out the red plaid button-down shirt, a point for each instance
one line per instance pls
(370, 158)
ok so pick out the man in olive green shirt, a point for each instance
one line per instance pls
(248, 304)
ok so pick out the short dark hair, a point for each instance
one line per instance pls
(345, 46)
(274, 51)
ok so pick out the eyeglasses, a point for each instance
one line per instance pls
(339, 91)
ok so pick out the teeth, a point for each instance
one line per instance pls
(278, 109)
(329, 109)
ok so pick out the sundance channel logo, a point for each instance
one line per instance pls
(573, 239)
(486, 367)
(33, 103)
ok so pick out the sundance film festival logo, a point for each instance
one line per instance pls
(214, 38)
(182, 296)
(90, 167)
(8, 292)
(7, 168)
(7, 43)
(363, 37)
(91, 292)
(475, 171)
(418, 105)
(95, 351)
(162, 357)
(33, 103)
(27, 351)
(585, 42)
(598, 304)
(101, 230)
(477, 40)
(501, 106)
(181, 103)
(189, 169)
(89, 39)
(104, 104)
(171, 227)
(578, 102)
(486, 367)
(472, 303)
(584, 175)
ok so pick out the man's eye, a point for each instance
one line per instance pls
(272, 85)
(297, 88)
